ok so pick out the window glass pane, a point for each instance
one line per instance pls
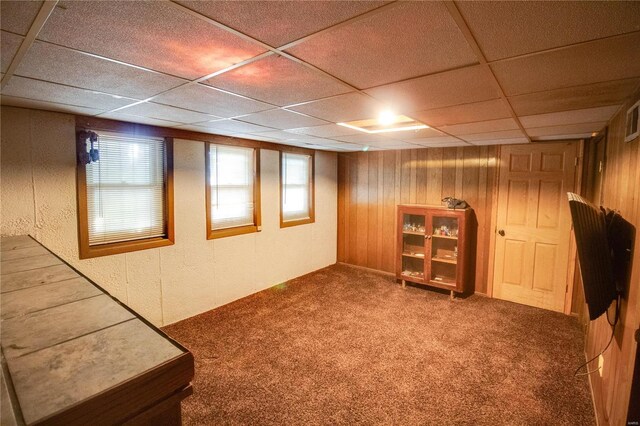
(125, 190)
(296, 186)
(231, 184)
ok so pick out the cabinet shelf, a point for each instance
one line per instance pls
(445, 237)
(413, 233)
(445, 260)
(415, 255)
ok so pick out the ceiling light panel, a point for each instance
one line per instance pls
(279, 81)
(208, 100)
(535, 26)
(462, 86)
(59, 65)
(348, 107)
(279, 22)
(481, 126)
(164, 112)
(50, 92)
(151, 34)
(589, 115)
(466, 113)
(566, 129)
(47, 106)
(378, 50)
(17, 16)
(9, 45)
(580, 97)
(594, 62)
(282, 119)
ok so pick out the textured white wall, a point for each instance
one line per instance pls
(167, 284)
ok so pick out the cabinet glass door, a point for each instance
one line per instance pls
(444, 249)
(413, 247)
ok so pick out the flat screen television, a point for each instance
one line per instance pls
(604, 241)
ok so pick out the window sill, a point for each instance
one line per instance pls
(289, 223)
(230, 232)
(123, 247)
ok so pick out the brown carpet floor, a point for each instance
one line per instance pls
(347, 346)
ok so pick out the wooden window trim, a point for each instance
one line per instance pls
(86, 251)
(213, 234)
(312, 190)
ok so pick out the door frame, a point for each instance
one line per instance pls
(494, 222)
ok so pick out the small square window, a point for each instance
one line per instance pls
(125, 193)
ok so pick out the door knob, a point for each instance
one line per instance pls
(501, 232)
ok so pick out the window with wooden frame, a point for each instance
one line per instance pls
(296, 189)
(232, 190)
(125, 193)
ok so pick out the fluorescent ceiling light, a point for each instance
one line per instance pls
(385, 123)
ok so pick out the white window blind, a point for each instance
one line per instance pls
(231, 174)
(125, 189)
(296, 186)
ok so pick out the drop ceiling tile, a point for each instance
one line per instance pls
(566, 129)
(278, 80)
(411, 135)
(505, 134)
(47, 106)
(563, 137)
(52, 63)
(285, 135)
(580, 97)
(9, 45)
(164, 112)
(139, 119)
(326, 131)
(396, 145)
(345, 146)
(234, 126)
(461, 86)
(17, 16)
(282, 119)
(466, 113)
(588, 115)
(602, 60)
(280, 22)
(198, 97)
(439, 141)
(367, 139)
(151, 34)
(508, 141)
(481, 127)
(55, 93)
(203, 129)
(257, 137)
(535, 26)
(431, 143)
(348, 107)
(405, 41)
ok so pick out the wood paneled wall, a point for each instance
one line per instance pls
(372, 184)
(621, 191)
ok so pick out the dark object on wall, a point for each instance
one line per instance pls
(92, 154)
(454, 203)
(604, 242)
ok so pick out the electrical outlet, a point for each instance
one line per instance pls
(600, 365)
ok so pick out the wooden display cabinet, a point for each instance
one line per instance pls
(434, 247)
